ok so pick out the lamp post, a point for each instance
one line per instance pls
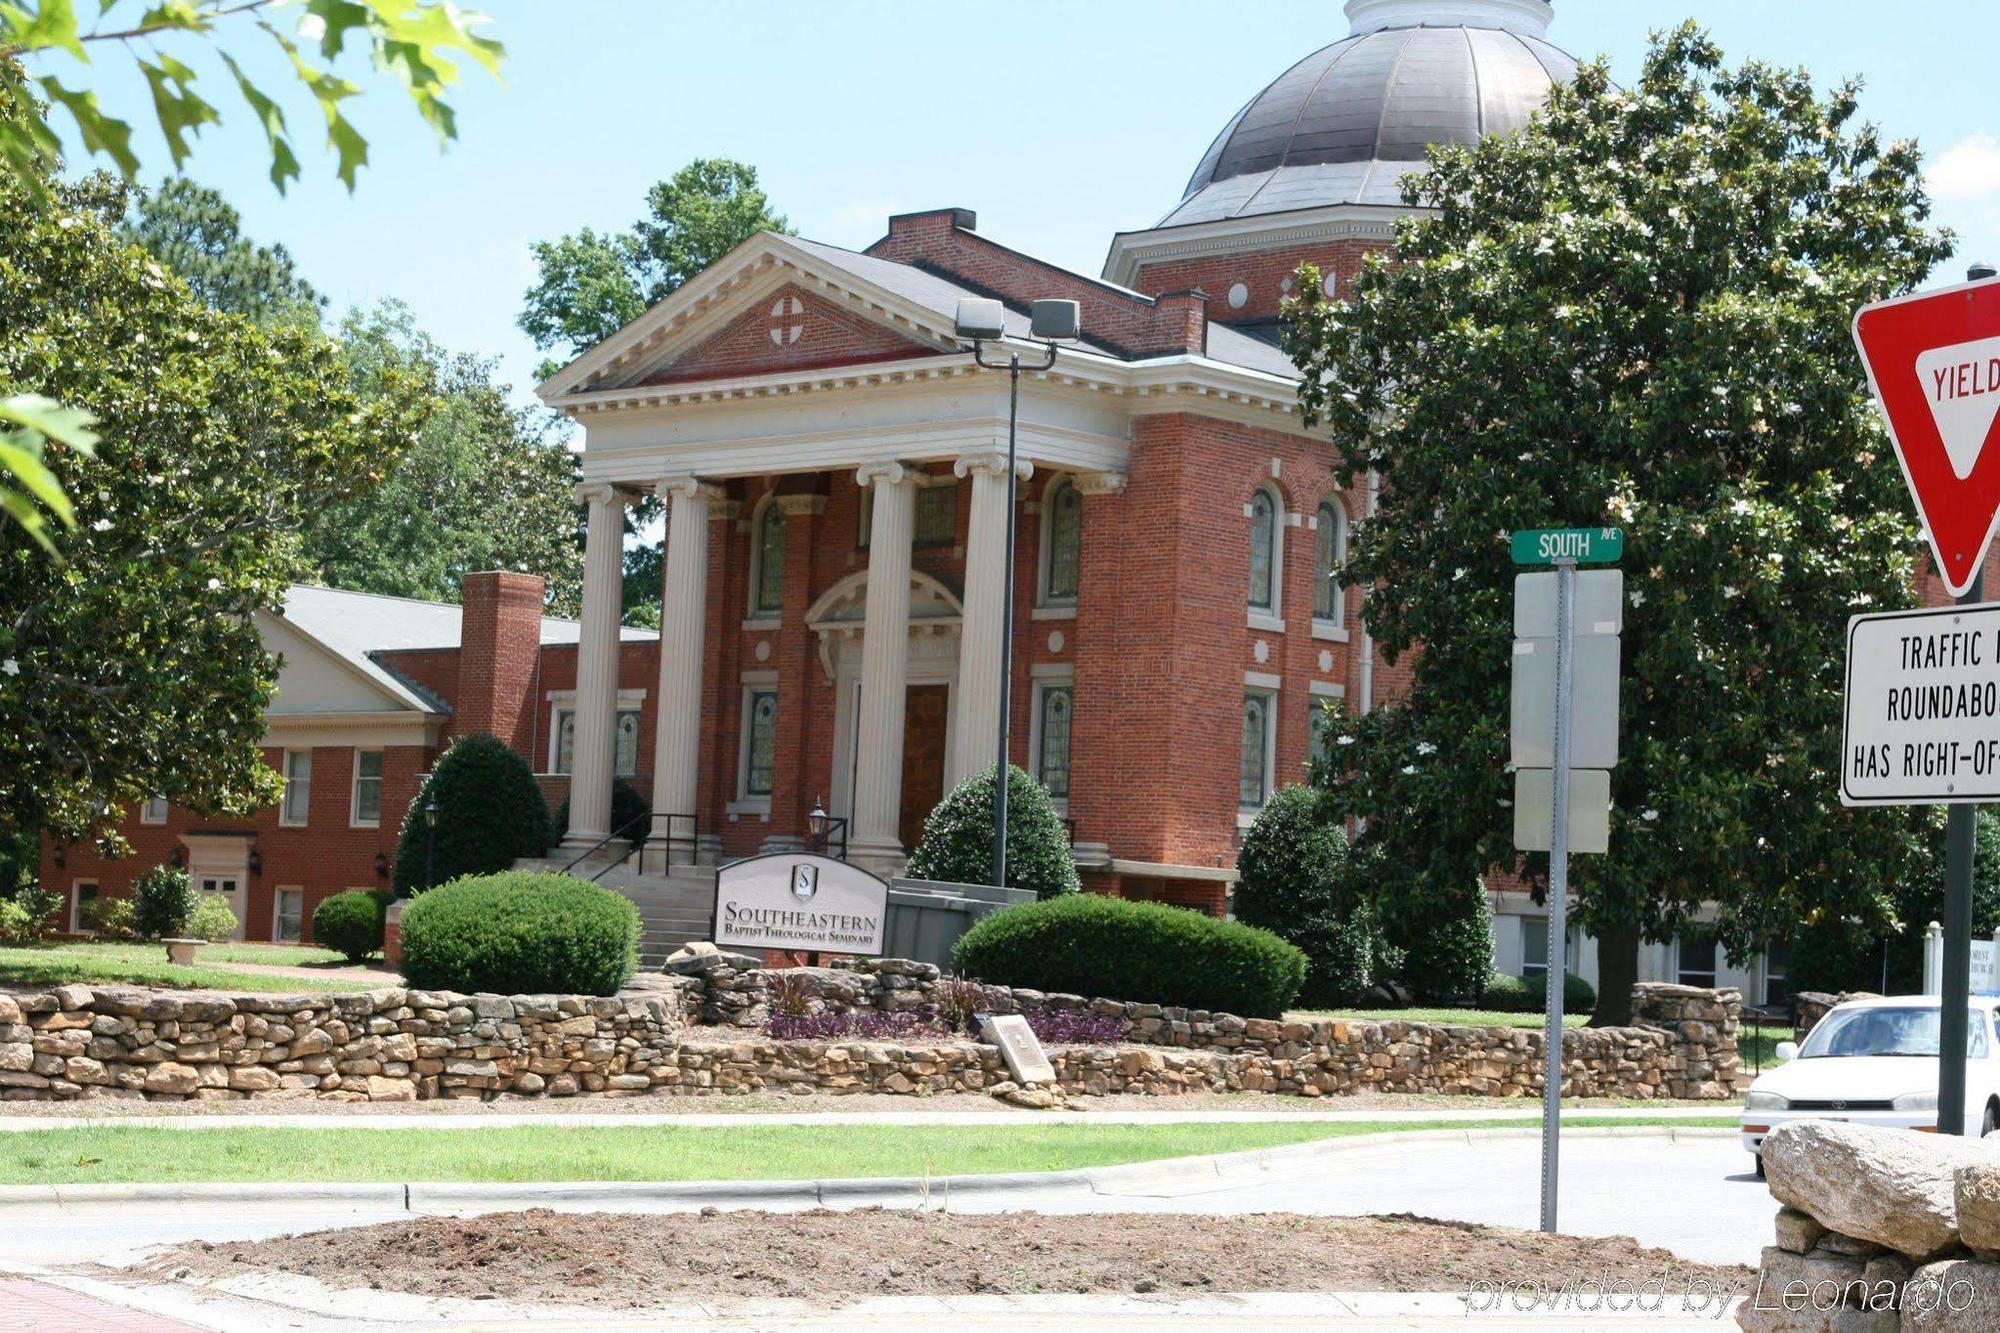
(982, 320)
(430, 840)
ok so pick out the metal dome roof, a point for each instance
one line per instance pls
(1347, 123)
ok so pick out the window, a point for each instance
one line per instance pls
(1697, 958)
(760, 727)
(625, 741)
(1053, 734)
(85, 893)
(1329, 554)
(298, 788)
(288, 914)
(154, 811)
(367, 812)
(937, 514)
(1256, 782)
(1535, 947)
(1063, 526)
(1777, 963)
(1264, 536)
(1323, 717)
(767, 560)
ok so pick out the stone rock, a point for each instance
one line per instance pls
(1954, 1296)
(170, 1076)
(1888, 1186)
(1797, 1231)
(382, 1089)
(1976, 1196)
(253, 1078)
(700, 958)
(17, 1056)
(1774, 1309)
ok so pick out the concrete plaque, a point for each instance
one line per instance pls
(799, 901)
(1019, 1048)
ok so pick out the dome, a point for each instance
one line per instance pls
(1347, 123)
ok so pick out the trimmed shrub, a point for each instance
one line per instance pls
(957, 842)
(1298, 880)
(490, 814)
(162, 901)
(627, 808)
(212, 919)
(1526, 995)
(1450, 950)
(109, 917)
(521, 933)
(350, 924)
(16, 927)
(1149, 952)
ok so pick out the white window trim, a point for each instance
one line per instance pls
(1257, 683)
(754, 683)
(1047, 676)
(1334, 627)
(754, 617)
(146, 810)
(354, 819)
(76, 905)
(1538, 928)
(285, 819)
(1271, 617)
(562, 701)
(1045, 546)
(276, 893)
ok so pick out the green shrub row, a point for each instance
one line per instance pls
(521, 933)
(1527, 995)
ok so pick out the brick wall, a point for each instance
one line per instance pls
(498, 645)
(763, 341)
(1266, 275)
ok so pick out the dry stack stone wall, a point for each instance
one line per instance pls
(701, 1034)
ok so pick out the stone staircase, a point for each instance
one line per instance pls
(673, 908)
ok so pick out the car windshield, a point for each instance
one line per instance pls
(1886, 1031)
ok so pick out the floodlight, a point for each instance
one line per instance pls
(980, 319)
(1056, 321)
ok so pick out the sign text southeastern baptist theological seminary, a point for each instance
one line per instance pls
(1922, 722)
(801, 902)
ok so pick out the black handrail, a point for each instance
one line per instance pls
(634, 845)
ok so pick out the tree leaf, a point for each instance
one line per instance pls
(100, 133)
(181, 110)
(51, 24)
(271, 118)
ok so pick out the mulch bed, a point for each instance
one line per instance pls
(831, 1258)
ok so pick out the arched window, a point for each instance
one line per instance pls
(767, 560)
(1063, 543)
(1329, 555)
(1264, 538)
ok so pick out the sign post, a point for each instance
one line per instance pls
(1933, 361)
(1564, 549)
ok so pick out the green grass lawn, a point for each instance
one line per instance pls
(1478, 1018)
(147, 965)
(650, 1152)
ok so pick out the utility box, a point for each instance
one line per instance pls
(926, 917)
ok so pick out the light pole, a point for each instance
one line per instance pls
(980, 321)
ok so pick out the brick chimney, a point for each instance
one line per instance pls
(499, 641)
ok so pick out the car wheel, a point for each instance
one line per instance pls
(1988, 1122)
(1758, 1157)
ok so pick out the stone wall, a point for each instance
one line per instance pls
(397, 1044)
(1812, 1005)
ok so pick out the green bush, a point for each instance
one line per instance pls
(1106, 947)
(111, 918)
(16, 927)
(212, 919)
(521, 933)
(1297, 879)
(490, 813)
(1449, 950)
(350, 924)
(627, 808)
(957, 842)
(162, 901)
(1526, 995)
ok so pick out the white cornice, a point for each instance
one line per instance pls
(1268, 231)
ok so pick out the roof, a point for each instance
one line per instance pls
(358, 625)
(1350, 121)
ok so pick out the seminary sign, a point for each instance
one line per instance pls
(800, 901)
(1923, 707)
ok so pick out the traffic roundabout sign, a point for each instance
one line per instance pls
(1922, 724)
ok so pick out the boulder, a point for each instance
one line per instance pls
(700, 958)
(1955, 1296)
(1889, 1186)
(1976, 1195)
(1773, 1309)
(1797, 1231)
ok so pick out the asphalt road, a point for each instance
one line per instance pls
(1695, 1196)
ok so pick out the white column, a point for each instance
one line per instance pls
(591, 753)
(683, 616)
(885, 649)
(988, 583)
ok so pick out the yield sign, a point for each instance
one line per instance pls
(1934, 362)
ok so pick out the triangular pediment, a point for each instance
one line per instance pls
(789, 329)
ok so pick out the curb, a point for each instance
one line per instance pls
(912, 1191)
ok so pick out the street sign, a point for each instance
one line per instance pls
(1922, 719)
(1933, 361)
(1593, 720)
(1600, 603)
(1589, 809)
(1585, 546)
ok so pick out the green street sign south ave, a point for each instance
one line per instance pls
(1586, 546)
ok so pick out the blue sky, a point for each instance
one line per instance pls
(1059, 121)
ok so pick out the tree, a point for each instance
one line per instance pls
(198, 234)
(591, 284)
(1634, 312)
(481, 486)
(957, 842)
(1295, 879)
(490, 812)
(132, 667)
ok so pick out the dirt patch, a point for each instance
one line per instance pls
(622, 1260)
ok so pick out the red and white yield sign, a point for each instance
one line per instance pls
(1934, 362)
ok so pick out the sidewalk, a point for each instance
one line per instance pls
(49, 1307)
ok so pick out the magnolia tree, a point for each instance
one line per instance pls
(1634, 312)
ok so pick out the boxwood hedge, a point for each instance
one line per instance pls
(1085, 944)
(350, 924)
(521, 933)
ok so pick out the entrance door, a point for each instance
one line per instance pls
(231, 888)
(924, 719)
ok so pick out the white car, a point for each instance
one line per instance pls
(1875, 1062)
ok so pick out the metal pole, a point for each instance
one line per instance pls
(1557, 959)
(1006, 635)
(1956, 979)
